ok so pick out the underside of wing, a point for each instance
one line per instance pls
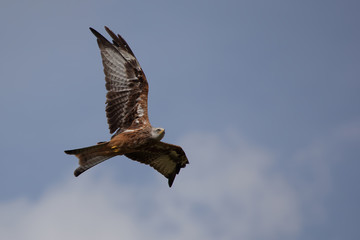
(126, 99)
(166, 158)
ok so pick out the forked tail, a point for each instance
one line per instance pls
(90, 156)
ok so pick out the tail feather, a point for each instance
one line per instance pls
(90, 156)
(92, 161)
(99, 146)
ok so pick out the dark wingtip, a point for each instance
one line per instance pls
(96, 33)
(72, 152)
(173, 175)
(101, 39)
(68, 151)
(111, 33)
(77, 172)
(170, 182)
(171, 179)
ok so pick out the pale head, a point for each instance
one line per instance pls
(157, 133)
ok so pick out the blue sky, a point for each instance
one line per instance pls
(262, 95)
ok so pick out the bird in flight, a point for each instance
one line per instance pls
(127, 115)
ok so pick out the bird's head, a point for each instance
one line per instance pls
(157, 133)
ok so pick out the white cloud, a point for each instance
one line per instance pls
(230, 190)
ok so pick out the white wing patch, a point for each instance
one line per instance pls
(133, 130)
(140, 110)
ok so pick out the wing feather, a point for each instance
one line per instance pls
(125, 82)
(166, 158)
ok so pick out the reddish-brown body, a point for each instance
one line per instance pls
(132, 141)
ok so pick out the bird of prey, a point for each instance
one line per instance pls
(126, 111)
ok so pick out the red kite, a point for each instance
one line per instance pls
(126, 111)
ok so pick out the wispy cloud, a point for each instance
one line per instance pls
(229, 191)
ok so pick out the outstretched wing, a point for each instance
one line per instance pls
(166, 158)
(126, 84)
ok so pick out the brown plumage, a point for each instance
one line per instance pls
(126, 111)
